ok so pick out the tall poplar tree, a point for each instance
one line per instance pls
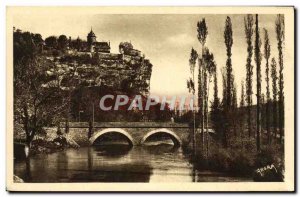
(242, 111)
(279, 24)
(228, 44)
(216, 116)
(191, 87)
(258, 83)
(267, 53)
(275, 93)
(209, 70)
(201, 35)
(242, 102)
(248, 22)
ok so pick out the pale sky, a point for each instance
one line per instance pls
(164, 39)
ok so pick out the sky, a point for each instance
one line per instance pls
(166, 40)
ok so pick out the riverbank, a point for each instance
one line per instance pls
(42, 145)
(156, 164)
(49, 140)
(240, 158)
(61, 142)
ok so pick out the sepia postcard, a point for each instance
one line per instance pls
(150, 99)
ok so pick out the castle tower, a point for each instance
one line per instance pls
(91, 39)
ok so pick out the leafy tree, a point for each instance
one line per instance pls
(224, 79)
(267, 52)
(279, 25)
(62, 42)
(224, 112)
(36, 105)
(258, 82)
(51, 42)
(191, 87)
(37, 39)
(208, 71)
(242, 102)
(242, 111)
(233, 113)
(38, 98)
(275, 93)
(229, 81)
(248, 21)
(216, 111)
(228, 43)
(202, 32)
(23, 46)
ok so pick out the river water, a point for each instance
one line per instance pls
(116, 163)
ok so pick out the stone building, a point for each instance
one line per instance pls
(95, 65)
(90, 45)
(94, 46)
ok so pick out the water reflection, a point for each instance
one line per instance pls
(161, 149)
(117, 163)
(112, 150)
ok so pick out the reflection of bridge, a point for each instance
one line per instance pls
(136, 133)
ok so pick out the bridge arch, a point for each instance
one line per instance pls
(100, 133)
(175, 138)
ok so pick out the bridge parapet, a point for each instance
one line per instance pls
(136, 132)
(126, 125)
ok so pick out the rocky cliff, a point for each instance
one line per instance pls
(118, 71)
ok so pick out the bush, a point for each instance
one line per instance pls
(241, 158)
(269, 164)
(241, 163)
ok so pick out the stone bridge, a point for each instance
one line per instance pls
(136, 133)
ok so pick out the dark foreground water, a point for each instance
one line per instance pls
(116, 163)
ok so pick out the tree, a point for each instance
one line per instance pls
(38, 98)
(209, 70)
(229, 82)
(279, 25)
(242, 110)
(242, 102)
(275, 93)
(51, 42)
(23, 46)
(37, 39)
(224, 90)
(202, 34)
(224, 101)
(267, 52)
(216, 111)
(62, 42)
(248, 21)
(228, 43)
(36, 105)
(191, 87)
(234, 109)
(258, 83)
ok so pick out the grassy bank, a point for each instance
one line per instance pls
(240, 158)
(41, 145)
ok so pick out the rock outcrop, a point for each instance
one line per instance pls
(126, 71)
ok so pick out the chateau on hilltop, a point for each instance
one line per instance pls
(95, 65)
(93, 46)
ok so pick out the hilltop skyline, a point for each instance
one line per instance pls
(166, 40)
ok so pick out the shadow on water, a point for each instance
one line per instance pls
(112, 145)
(160, 148)
(112, 150)
(24, 169)
(112, 163)
(120, 173)
(156, 161)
